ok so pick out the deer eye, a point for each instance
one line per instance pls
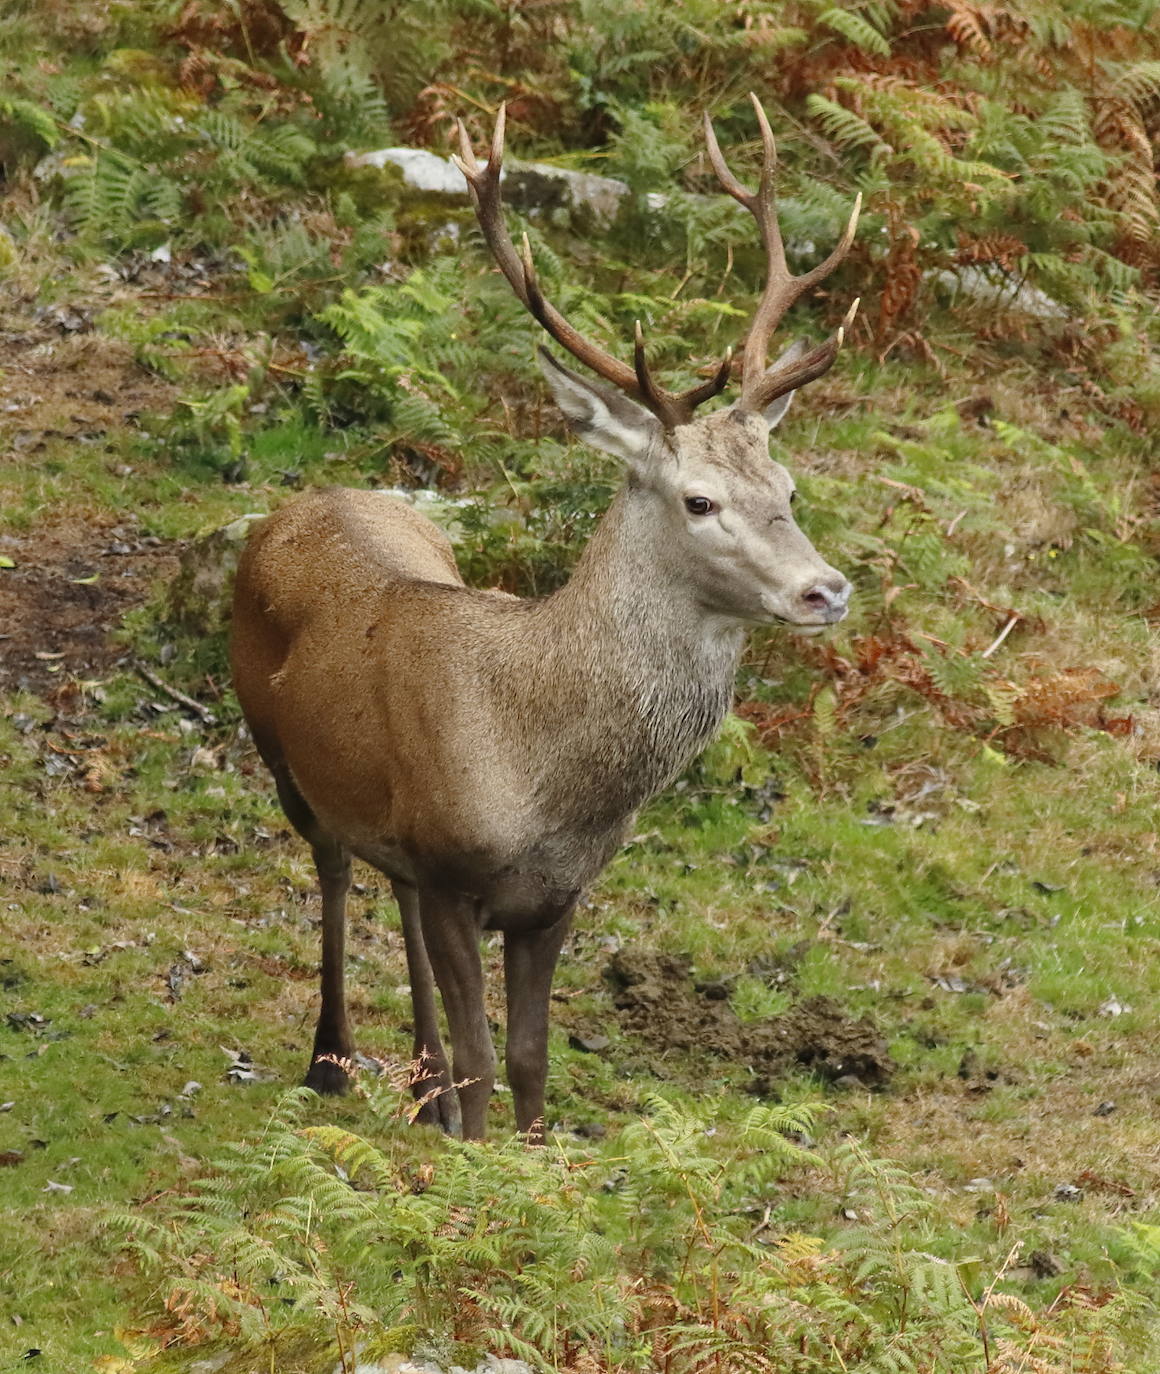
(700, 505)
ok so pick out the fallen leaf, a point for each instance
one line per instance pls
(5, 561)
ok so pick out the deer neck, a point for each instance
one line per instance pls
(637, 673)
(627, 594)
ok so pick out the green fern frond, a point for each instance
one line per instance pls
(856, 29)
(29, 118)
(844, 127)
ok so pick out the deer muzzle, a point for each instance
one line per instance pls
(829, 599)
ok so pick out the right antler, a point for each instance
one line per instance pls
(758, 387)
(671, 408)
(782, 289)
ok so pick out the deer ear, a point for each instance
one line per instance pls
(600, 415)
(775, 412)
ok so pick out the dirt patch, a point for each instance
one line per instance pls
(74, 576)
(71, 585)
(656, 999)
(60, 380)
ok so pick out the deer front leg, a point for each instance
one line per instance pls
(451, 938)
(332, 1038)
(432, 1074)
(529, 959)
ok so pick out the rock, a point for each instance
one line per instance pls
(1045, 1265)
(422, 170)
(590, 200)
(984, 288)
(199, 596)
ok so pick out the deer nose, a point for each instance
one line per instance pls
(828, 599)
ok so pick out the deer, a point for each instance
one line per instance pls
(488, 753)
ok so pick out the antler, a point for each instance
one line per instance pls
(671, 408)
(782, 289)
(758, 387)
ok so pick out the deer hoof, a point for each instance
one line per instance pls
(327, 1078)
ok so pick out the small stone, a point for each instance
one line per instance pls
(979, 1185)
(1067, 1192)
(1104, 1109)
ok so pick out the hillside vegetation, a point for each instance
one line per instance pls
(931, 834)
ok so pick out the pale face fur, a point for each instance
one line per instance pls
(725, 504)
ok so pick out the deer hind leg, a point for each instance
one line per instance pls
(432, 1073)
(450, 927)
(529, 958)
(332, 1037)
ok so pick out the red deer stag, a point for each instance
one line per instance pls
(487, 753)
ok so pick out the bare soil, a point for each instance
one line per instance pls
(77, 573)
(657, 1000)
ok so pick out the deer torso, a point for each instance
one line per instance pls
(497, 745)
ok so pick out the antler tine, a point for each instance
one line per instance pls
(656, 398)
(714, 386)
(798, 371)
(782, 289)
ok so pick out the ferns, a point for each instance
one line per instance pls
(27, 118)
(153, 151)
(857, 30)
(847, 129)
(528, 1252)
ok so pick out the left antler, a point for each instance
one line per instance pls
(782, 288)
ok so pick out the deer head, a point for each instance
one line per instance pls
(721, 506)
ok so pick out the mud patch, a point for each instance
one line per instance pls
(656, 999)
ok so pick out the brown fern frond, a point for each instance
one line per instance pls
(967, 25)
(1131, 187)
(1004, 250)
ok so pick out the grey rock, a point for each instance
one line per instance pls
(199, 595)
(529, 186)
(988, 289)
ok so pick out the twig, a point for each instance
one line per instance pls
(1003, 633)
(203, 713)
